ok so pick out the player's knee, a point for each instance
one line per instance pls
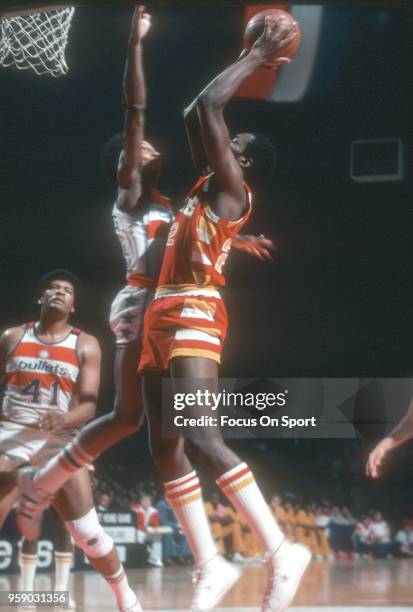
(89, 535)
(163, 452)
(203, 449)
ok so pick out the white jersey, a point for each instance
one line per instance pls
(143, 236)
(40, 376)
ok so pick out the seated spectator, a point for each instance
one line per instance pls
(147, 525)
(380, 537)
(306, 531)
(281, 516)
(290, 521)
(404, 542)
(362, 538)
(227, 532)
(341, 532)
(103, 502)
(175, 547)
(322, 521)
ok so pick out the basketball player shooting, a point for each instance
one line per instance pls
(142, 217)
(44, 365)
(185, 327)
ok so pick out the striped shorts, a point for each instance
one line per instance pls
(183, 326)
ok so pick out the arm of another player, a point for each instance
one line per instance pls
(401, 434)
(257, 246)
(87, 389)
(134, 99)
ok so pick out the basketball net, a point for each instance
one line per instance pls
(36, 41)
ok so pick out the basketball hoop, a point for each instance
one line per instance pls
(36, 40)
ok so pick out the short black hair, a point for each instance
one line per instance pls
(109, 158)
(263, 153)
(59, 274)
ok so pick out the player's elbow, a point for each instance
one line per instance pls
(206, 102)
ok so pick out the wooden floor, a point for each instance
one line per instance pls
(350, 586)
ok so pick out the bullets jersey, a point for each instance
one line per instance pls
(198, 243)
(142, 236)
(40, 376)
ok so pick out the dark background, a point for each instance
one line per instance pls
(336, 301)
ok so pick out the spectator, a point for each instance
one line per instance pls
(341, 532)
(362, 538)
(404, 542)
(322, 521)
(380, 536)
(227, 532)
(147, 524)
(175, 548)
(104, 500)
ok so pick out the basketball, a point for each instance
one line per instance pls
(255, 27)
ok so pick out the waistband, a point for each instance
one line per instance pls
(5, 419)
(186, 290)
(140, 280)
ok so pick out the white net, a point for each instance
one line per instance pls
(36, 41)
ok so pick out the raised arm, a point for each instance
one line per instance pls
(210, 105)
(134, 99)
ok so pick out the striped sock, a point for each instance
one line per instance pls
(239, 485)
(59, 469)
(62, 564)
(118, 582)
(28, 571)
(185, 497)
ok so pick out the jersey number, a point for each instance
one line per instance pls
(34, 390)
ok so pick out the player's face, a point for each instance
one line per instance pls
(59, 297)
(149, 153)
(240, 142)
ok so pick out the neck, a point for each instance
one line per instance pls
(48, 326)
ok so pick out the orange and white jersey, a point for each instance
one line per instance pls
(198, 245)
(142, 237)
(40, 376)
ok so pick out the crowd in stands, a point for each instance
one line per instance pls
(329, 531)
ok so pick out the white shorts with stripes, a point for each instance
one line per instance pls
(30, 445)
(127, 313)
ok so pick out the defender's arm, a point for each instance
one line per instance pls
(134, 99)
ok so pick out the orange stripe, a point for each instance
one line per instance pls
(142, 281)
(172, 485)
(186, 500)
(194, 352)
(184, 491)
(235, 487)
(57, 353)
(226, 481)
(22, 379)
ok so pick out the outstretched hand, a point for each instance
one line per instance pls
(376, 457)
(141, 22)
(276, 34)
(257, 246)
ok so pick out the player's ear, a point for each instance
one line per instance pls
(245, 162)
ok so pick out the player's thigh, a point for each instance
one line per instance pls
(75, 498)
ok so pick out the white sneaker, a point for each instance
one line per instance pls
(285, 570)
(155, 562)
(134, 608)
(32, 503)
(212, 581)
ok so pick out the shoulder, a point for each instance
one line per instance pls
(12, 335)
(88, 345)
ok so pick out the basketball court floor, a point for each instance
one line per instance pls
(343, 586)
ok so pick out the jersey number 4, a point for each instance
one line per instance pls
(34, 390)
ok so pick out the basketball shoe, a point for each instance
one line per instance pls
(285, 570)
(212, 580)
